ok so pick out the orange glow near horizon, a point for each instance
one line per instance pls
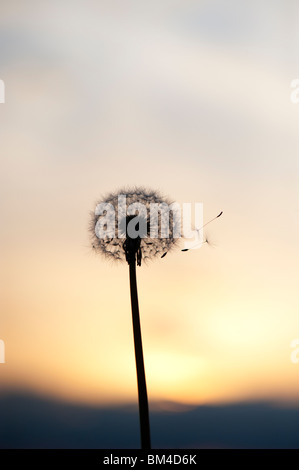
(78, 345)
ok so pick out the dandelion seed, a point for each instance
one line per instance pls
(207, 241)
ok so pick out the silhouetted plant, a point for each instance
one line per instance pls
(117, 244)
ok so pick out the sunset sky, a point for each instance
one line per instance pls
(191, 98)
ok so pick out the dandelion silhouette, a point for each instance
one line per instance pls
(130, 226)
(132, 238)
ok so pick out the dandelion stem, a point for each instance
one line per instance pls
(141, 382)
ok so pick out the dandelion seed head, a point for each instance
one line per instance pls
(116, 224)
